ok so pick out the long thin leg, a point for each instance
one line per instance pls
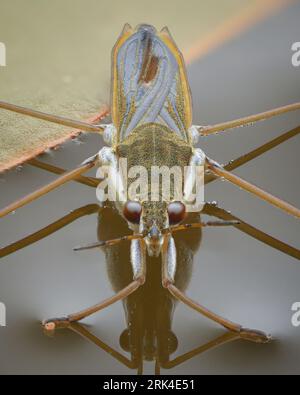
(137, 236)
(236, 163)
(71, 175)
(219, 341)
(246, 334)
(58, 323)
(139, 275)
(53, 118)
(168, 281)
(221, 172)
(106, 243)
(249, 120)
(138, 263)
(83, 332)
(89, 181)
(257, 234)
(197, 225)
(48, 230)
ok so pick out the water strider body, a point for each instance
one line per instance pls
(152, 127)
(151, 114)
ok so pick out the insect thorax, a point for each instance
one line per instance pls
(153, 146)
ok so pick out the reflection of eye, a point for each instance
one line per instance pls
(176, 212)
(132, 212)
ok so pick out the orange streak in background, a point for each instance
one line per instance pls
(225, 32)
(234, 26)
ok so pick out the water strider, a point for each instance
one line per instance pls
(150, 261)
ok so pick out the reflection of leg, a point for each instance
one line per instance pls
(82, 331)
(215, 211)
(221, 340)
(48, 230)
(86, 334)
(71, 175)
(236, 163)
(168, 279)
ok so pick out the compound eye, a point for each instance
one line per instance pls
(132, 212)
(176, 212)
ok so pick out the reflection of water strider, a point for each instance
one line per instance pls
(149, 310)
(151, 114)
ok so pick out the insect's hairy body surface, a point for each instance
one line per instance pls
(154, 146)
(151, 115)
(151, 112)
(150, 269)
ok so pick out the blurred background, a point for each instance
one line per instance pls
(239, 62)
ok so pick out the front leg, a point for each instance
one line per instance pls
(193, 193)
(168, 279)
(138, 263)
(52, 324)
(64, 178)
